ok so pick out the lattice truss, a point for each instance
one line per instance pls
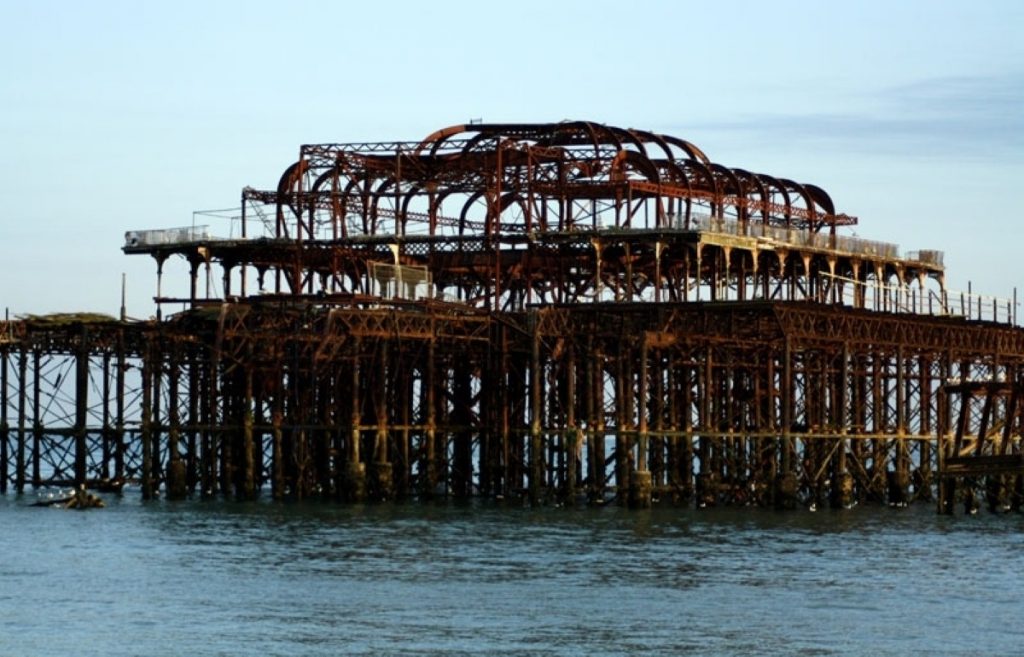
(55, 401)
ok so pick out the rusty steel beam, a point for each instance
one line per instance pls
(562, 312)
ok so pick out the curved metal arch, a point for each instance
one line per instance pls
(414, 191)
(751, 183)
(477, 138)
(506, 201)
(623, 135)
(339, 199)
(375, 196)
(675, 172)
(808, 200)
(586, 128)
(291, 176)
(721, 173)
(286, 186)
(329, 175)
(651, 137)
(473, 198)
(822, 198)
(703, 171)
(775, 186)
(639, 161)
(677, 175)
(364, 194)
(438, 136)
(702, 183)
(688, 148)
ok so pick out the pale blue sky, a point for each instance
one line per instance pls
(130, 115)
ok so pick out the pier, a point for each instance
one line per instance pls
(558, 313)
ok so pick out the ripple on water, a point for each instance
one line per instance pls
(317, 579)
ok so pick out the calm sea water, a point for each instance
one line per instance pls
(222, 578)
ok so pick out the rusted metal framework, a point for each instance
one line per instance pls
(553, 311)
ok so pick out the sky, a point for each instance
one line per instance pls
(119, 116)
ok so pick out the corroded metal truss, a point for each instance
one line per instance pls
(556, 311)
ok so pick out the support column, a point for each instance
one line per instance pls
(119, 394)
(429, 481)
(176, 483)
(382, 484)
(5, 430)
(899, 486)
(277, 482)
(878, 458)
(81, 407)
(37, 418)
(842, 487)
(148, 487)
(595, 411)
(247, 485)
(106, 433)
(356, 470)
(573, 435)
(536, 462)
(19, 462)
(707, 485)
(640, 480)
(786, 484)
(923, 480)
(462, 457)
(192, 444)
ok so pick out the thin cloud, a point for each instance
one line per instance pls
(972, 117)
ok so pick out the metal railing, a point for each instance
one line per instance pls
(163, 236)
(907, 298)
(799, 237)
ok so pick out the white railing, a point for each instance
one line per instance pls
(926, 257)
(799, 237)
(163, 236)
(908, 298)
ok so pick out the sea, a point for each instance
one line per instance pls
(197, 577)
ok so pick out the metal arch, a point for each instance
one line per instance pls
(473, 198)
(651, 137)
(361, 185)
(628, 136)
(479, 138)
(333, 175)
(677, 175)
(695, 153)
(475, 153)
(822, 198)
(676, 172)
(751, 180)
(808, 201)
(772, 183)
(506, 201)
(375, 197)
(415, 190)
(639, 162)
(725, 173)
(289, 180)
(710, 180)
(435, 138)
(579, 128)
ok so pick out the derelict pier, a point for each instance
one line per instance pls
(556, 312)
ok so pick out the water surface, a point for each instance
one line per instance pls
(225, 578)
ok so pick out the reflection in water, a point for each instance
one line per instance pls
(319, 579)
